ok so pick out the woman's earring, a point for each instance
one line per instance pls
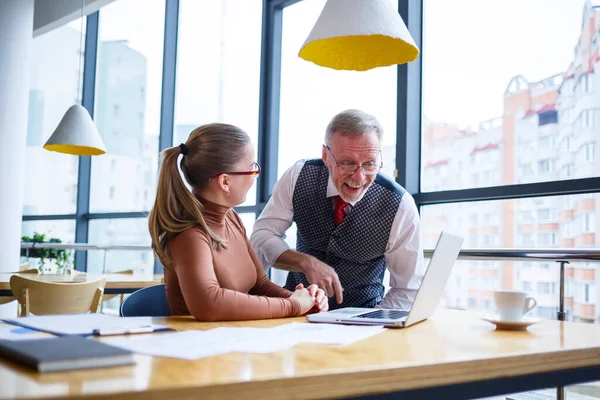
(228, 193)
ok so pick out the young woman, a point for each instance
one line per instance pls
(211, 270)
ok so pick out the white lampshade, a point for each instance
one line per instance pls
(359, 35)
(76, 134)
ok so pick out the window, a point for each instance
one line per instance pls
(585, 292)
(523, 98)
(546, 166)
(129, 60)
(472, 303)
(549, 117)
(588, 152)
(312, 95)
(122, 231)
(546, 214)
(527, 239)
(111, 192)
(526, 286)
(586, 83)
(587, 119)
(516, 230)
(218, 67)
(547, 239)
(55, 61)
(588, 223)
(59, 229)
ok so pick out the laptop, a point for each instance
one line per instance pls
(426, 301)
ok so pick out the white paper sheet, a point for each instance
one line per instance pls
(187, 345)
(82, 324)
(14, 332)
(191, 345)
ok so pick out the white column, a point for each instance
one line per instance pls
(16, 27)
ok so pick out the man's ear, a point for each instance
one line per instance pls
(324, 154)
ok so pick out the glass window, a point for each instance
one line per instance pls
(311, 95)
(50, 177)
(513, 227)
(120, 232)
(500, 98)
(64, 230)
(53, 229)
(218, 67)
(127, 104)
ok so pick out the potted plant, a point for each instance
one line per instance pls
(61, 258)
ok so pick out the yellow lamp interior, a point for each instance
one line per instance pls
(74, 149)
(359, 52)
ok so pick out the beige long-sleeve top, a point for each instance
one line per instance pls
(222, 285)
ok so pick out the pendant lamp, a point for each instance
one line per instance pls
(359, 35)
(76, 133)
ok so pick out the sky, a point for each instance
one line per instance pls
(471, 50)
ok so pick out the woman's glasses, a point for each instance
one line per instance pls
(255, 171)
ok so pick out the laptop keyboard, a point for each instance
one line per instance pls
(384, 314)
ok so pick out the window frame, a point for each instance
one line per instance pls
(408, 125)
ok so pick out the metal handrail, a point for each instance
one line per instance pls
(520, 254)
(525, 254)
(81, 246)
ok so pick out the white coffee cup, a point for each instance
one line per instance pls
(513, 305)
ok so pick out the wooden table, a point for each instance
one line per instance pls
(115, 283)
(453, 355)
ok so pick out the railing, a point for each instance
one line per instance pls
(525, 254)
(568, 255)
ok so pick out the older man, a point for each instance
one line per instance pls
(352, 222)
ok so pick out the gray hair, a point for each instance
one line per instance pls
(353, 123)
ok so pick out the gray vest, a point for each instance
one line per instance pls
(355, 248)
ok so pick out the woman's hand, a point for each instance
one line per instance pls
(321, 301)
(306, 300)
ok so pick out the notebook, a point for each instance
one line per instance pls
(64, 353)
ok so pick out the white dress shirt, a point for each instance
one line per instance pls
(403, 254)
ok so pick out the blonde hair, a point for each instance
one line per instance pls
(210, 150)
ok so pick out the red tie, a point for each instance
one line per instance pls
(338, 209)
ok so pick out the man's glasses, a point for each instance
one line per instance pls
(369, 168)
(255, 171)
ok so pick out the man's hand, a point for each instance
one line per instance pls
(326, 278)
(316, 272)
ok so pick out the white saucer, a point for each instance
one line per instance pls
(511, 325)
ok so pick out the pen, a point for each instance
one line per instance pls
(108, 332)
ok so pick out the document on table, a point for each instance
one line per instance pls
(13, 332)
(322, 333)
(83, 324)
(191, 345)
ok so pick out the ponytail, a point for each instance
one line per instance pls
(175, 209)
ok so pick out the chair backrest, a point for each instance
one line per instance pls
(150, 301)
(45, 298)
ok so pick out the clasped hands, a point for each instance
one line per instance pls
(312, 299)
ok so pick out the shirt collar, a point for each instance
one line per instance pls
(332, 190)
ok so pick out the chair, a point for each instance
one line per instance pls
(150, 301)
(44, 298)
(107, 297)
(23, 269)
